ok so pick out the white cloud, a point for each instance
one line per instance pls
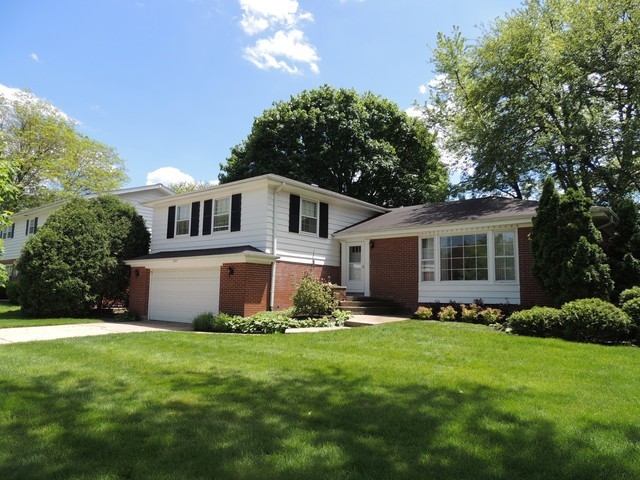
(34, 57)
(422, 89)
(415, 112)
(168, 175)
(283, 51)
(15, 95)
(286, 48)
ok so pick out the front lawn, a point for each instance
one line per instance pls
(411, 400)
(10, 317)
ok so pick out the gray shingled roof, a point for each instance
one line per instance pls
(200, 253)
(431, 214)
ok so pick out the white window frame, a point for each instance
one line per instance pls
(31, 226)
(182, 221)
(316, 218)
(6, 232)
(428, 264)
(217, 214)
(505, 256)
(491, 257)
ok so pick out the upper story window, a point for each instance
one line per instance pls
(32, 226)
(221, 214)
(308, 216)
(183, 219)
(7, 232)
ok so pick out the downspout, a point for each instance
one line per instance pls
(274, 246)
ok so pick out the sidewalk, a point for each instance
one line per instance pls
(52, 332)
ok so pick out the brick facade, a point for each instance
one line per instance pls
(531, 292)
(246, 290)
(394, 269)
(289, 274)
(139, 291)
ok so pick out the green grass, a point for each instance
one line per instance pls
(412, 400)
(11, 317)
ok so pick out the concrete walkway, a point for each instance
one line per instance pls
(52, 332)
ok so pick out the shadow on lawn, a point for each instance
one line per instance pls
(316, 425)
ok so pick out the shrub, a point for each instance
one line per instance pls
(469, 314)
(629, 294)
(594, 320)
(535, 322)
(491, 315)
(13, 292)
(313, 297)
(341, 316)
(447, 314)
(423, 313)
(203, 322)
(126, 317)
(632, 309)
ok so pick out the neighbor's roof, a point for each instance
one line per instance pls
(462, 211)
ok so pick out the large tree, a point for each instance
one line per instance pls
(51, 158)
(359, 145)
(76, 259)
(7, 192)
(552, 88)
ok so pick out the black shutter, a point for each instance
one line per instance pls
(13, 230)
(171, 222)
(236, 211)
(294, 213)
(195, 219)
(207, 216)
(35, 226)
(26, 232)
(324, 220)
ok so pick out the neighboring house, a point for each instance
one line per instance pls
(27, 222)
(240, 247)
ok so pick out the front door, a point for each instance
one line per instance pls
(355, 269)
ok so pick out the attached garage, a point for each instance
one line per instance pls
(180, 295)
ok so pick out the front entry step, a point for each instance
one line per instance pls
(360, 305)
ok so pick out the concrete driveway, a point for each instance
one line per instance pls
(52, 332)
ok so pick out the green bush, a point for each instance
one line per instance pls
(423, 313)
(469, 314)
(13, 292)
(313, 297)
(203, 322)
(340, 317)
(447, 314)
(632, 308)
(595, 321)
(491, 315)
(535, 322)
(629, 294)
(126, 317)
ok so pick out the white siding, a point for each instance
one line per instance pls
(13, 246)
(311, 249)
(254, 216)
(138, 198)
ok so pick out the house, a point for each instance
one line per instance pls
(26, 223)
(240, 247)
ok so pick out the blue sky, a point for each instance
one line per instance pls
(178, 83)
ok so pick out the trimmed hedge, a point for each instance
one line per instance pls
(595, 321)
(629, 294)
(535, 322)
(263, 322)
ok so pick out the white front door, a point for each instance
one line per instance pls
(355, 268)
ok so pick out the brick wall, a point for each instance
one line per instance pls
(394, 270)
(531, 292)
(246, 291)
(139, 292)
(289, 274)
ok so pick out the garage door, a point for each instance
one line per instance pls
(179, 295)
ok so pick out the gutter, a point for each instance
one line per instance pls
(274, 246)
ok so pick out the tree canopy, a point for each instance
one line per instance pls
(359, 145)
(7, 192)
(50, 158)
(551, 88)
(76, 259)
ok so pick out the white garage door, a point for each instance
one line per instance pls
(179, 295)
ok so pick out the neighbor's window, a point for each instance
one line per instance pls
(221, 210)
(183, 219)
(505, 255)
(308, 216)
(31, 226)
(428, 267)
(6, 232)
(464, 257)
